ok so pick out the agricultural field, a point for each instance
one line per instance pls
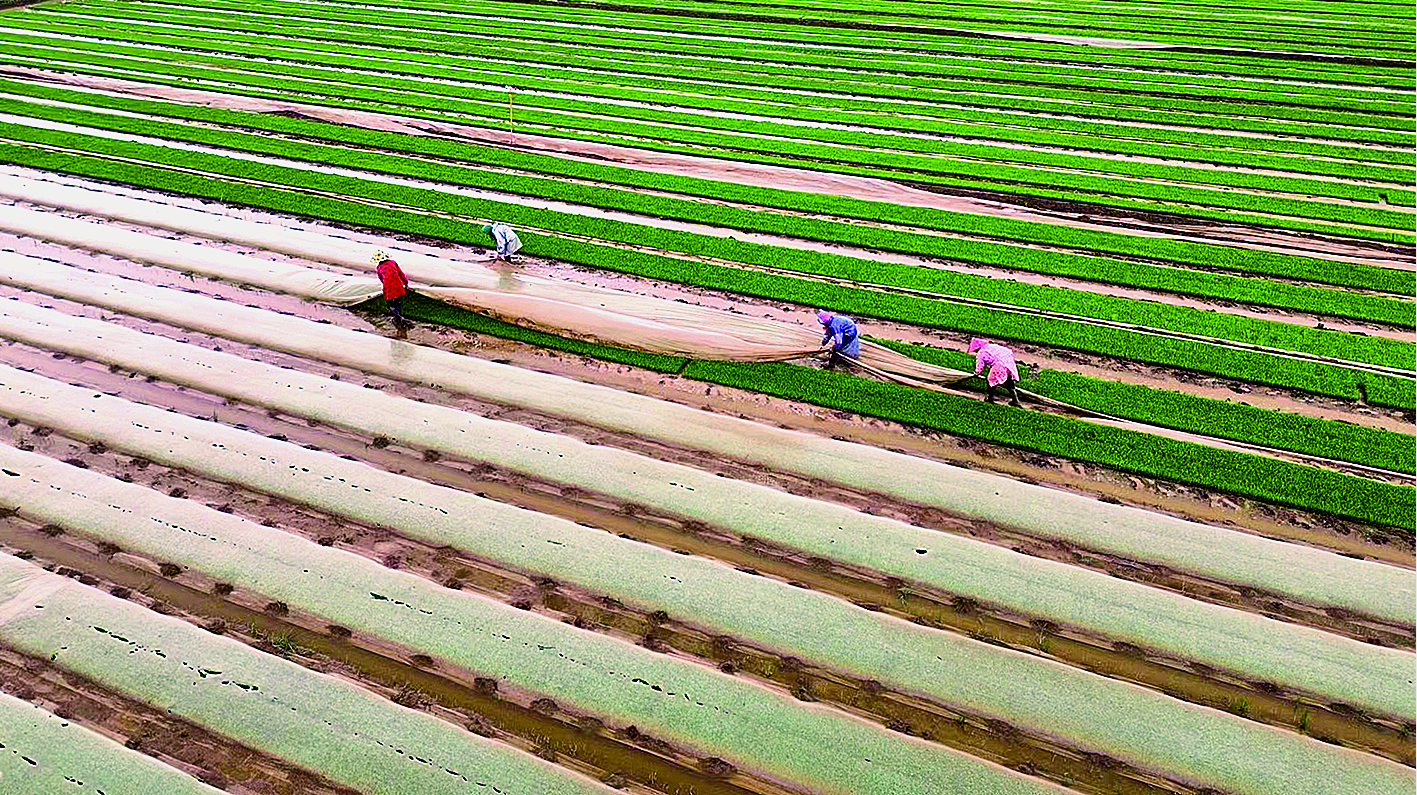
(597, 520)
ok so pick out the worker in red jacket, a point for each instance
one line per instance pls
(395, 284)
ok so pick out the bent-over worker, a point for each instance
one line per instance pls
(1003, 371)
(395, 284)
(839, 337)
(504, 238)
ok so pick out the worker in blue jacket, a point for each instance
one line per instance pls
(839, 337)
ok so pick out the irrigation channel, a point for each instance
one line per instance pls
(597, 520)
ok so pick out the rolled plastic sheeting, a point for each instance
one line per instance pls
(1312, 575)
(44, 754)
(313, 720)
(609, 316)
(1256, 647)
(1149, 730)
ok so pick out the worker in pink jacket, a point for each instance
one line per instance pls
(395, 284)
(1002, 368)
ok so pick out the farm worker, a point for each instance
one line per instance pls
(1002, 369)
(506, 240)
(395, 283)
(839, 336)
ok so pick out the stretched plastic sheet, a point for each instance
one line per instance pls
(613, 317)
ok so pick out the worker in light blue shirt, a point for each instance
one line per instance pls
(839, 337)
(505, 239)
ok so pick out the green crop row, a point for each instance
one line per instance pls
(1068, 19)
(680, 93)
(1249, 15)
(1131, 21)
(770, 26)
(1221, 419)
(1377, 164)
(1241, 364)
(1250, 475)
(611, 55)
(1394, 46)
(1041, 57)
(1004, 162)
(1372, 350)
(1033, 181)
(1225, 98)
(1114, 271)
(896, 40)
(1390, 280)
(1267, 479)
(800, 156)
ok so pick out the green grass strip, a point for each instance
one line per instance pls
(847, 44)
(722, 80)
(797, 157)
(1287, 266)
(1309, 376)
(1372, 350)
(1000, 163)
(884, 118)
(1223, 419)
(1260, 477)
(793, 26)
(392, 31)
(1058, 61)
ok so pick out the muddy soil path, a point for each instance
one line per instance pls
(762, 175)
(976, 734)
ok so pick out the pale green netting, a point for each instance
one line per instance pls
(44, 754)
(1143, 727)
(1257, 647)
(315, 721)
(1309, 574)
